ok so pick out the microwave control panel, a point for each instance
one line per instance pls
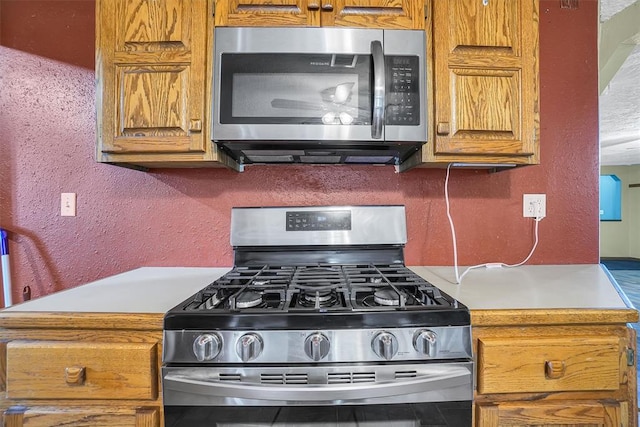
(403, 99)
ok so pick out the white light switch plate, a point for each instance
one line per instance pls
(68, 204)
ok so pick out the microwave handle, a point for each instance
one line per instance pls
(377, 119)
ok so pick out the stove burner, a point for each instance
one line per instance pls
(248, 300)
(213, 301)
(387, 297)
(319, 298)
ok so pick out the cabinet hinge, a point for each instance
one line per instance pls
(213, 9)
(631, 357)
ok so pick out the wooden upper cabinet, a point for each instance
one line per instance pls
(485, 81)
(151, 71)
(341, 13)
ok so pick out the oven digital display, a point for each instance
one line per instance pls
(318, 220)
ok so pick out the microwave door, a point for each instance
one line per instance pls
(316, 91)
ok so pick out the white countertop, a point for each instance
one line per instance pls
(157, 289)
(529, 287)
(143, 290)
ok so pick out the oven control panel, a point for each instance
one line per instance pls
(318, 220)
(305, 346)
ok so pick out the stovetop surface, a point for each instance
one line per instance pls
(273, 295)
(322, 287)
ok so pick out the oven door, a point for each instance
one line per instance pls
(440, 414)
(318, 84)
(363, 395)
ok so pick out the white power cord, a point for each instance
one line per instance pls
(455, 245)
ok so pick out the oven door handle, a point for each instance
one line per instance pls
(317, 392)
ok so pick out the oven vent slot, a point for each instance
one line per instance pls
(284, 379)
(230, 377)
(351, 377)
(406, 374)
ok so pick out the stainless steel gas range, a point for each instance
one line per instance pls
(319, 323)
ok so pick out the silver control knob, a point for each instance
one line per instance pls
(249, 346)
(317, 346)
(426, 342)
(207, 347)
(385, 345)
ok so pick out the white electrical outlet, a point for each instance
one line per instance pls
(534, 205)
(68, 204)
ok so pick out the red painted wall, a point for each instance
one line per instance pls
(127, 219)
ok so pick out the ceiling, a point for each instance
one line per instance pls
(619, 64)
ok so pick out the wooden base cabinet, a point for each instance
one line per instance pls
(533, 368)
(555, 376)
(80, 370)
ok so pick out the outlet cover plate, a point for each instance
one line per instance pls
(534, 205)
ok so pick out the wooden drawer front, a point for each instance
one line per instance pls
(568, 413)
(81, 417)
(79, 370)
(510, 365)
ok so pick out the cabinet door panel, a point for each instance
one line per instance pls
(486, 116)
(156, 101)
(152, 111)
(264, 13)
(145, 25)
(491, 29)
(81, 370)
(374, 14)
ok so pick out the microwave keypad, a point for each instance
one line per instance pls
(403, 106)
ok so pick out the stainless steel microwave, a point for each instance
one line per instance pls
(319, 95)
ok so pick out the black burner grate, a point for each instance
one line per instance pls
(321, 287)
